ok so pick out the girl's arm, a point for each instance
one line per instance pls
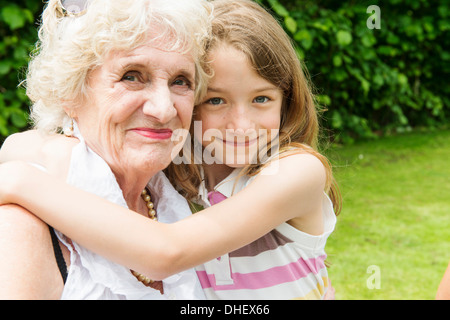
(443, 292)
(160, 250)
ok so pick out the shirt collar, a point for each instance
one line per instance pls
(227, 186)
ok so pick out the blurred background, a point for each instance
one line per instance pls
(370, 81)
(380, 71)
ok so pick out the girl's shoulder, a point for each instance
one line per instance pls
(296, 166)
(291, 187)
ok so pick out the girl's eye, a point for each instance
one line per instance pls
(260, 99)
(215, 101)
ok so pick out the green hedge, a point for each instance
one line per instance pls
(17, 37)
(371, 81)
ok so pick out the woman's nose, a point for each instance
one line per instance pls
(159, 104)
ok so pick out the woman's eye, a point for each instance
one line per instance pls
(181, 82)
(130, 76)
(215, 101)
(260, 99)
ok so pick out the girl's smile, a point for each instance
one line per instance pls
(239, 142)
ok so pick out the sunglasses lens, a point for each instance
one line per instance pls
(74, 6)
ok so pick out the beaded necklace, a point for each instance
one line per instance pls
(152, 215)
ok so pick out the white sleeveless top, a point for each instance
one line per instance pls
(92, 277)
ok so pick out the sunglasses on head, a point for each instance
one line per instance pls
(72, 8)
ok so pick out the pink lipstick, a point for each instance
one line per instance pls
(157, 134)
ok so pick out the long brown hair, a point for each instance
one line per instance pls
(248, 27)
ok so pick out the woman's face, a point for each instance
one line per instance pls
(136, 100)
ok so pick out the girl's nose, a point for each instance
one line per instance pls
(240, 120)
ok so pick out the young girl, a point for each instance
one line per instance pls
(267, 241)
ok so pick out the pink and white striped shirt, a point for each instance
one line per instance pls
(286, 263)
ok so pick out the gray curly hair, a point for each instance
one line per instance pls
(69, 47)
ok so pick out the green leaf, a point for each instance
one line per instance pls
(291, 24)
(323, 99)
(443, 11)
(301, 35)
(20, 53)
(402, 79)
(368, 40)
(300, 53)
(19, 119)
(378, 80)
(339, 75)
(14, 17)
(4, 67)
(337, 61)
(2, 106)
(278, 8)
(28, 15)
(305, 38)
(365, 86)
(336, 120)
(392, 38)
(319, 25)
(344, 38)
(21, 94)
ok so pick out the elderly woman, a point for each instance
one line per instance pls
(121, 76)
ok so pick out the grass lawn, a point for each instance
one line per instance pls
(392, 239)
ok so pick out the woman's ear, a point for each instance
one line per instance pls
(70, 108)
(68, 127)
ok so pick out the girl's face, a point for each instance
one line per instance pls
(241, 111)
